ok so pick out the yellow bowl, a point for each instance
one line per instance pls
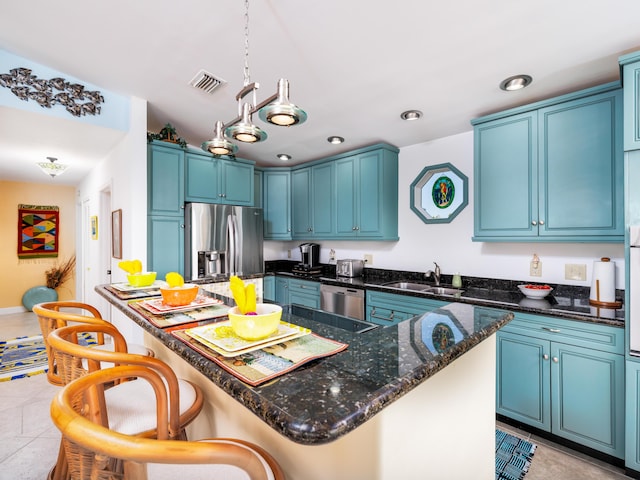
(179, 296)
(142, 279)
(256, 327)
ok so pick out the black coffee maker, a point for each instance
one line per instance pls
(310, 264)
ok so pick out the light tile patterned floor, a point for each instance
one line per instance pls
(29, 442)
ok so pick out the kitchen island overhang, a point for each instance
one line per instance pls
(340, 402)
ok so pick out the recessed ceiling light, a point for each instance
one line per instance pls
(284, 157)
(335, 140)
(517, 82)
(411, 115)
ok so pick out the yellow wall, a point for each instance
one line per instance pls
(17, 276)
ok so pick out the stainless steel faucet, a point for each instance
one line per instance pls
(434, 273)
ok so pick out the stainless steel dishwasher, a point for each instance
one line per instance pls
(345, 301)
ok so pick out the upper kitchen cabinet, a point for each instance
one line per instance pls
(313, 201)
(165, 179)
(276, 203)
(551, 171)
(366, 183)
(217, 180)
(630, 65)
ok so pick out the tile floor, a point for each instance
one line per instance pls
(29, 441)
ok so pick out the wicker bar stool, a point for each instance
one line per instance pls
(53, 315)
(132, 404)
(98, 452)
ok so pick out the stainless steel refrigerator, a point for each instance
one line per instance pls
(222, 240)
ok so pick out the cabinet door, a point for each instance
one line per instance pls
(165, 176)
(370, 193)
(277, 205)
(346, 172)
(306, 300)
(165, 245)
(301, 203)
(581, 167)
(282, 291)
(523, 379)
(257, 188)
(588, 397)
(505, 177)
(202, 173)
(631, 82)
(236, 186)
(322, 208)
(269, 288)
(632, 424)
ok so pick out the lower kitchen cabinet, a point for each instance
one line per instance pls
(165, 244)
(564, 377)
(390, 308)
(632, 427)
(297, 291)
(269, 288)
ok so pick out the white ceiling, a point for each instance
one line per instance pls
(354, 66)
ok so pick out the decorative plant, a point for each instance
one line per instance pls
(60, 273)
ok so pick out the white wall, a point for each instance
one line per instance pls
(450, 244)
(123, 173)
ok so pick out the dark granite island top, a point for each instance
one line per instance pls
(323, 401)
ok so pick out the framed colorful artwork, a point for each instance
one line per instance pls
(38, 231)
(94, 227)
(116, 233)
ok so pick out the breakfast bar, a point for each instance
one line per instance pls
(413, 401)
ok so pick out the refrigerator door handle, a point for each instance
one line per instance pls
(232, 243)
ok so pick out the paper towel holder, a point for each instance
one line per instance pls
(595, 291)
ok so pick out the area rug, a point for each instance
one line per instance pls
(26, 356)
(513, 456)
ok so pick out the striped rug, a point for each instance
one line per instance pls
(26, 356)
(513, 456)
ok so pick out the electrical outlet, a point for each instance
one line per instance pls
(368, 259)
(332, 255)
(289, 253)
(535, 268)
(575, 271)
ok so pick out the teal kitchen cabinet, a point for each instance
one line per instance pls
(165, 245)
(386, 309)
(313, 207)
(216, 180)
(632, 426)
(269, 288)
(551, 171)
(630, 65)
(165, 180)
(165, 208)
(564, 377)
(304, 292)
(282, 290)
(257, 188)
(276, 198)
(367, 195)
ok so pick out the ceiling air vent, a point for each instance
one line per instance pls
(206, 81)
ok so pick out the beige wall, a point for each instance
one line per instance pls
(17, 276)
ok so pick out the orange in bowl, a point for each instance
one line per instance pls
(256, 327)
(179, 296)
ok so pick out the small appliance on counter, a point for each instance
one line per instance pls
(350, 268)
(310, 264)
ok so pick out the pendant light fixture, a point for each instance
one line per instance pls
(51, 168)
(277, 109)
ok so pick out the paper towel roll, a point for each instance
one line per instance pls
(603, 283)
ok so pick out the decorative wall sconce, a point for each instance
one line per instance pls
(48, 93)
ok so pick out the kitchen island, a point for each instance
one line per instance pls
(415, 400)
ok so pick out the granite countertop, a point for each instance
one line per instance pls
(565, 301)
(327, 398)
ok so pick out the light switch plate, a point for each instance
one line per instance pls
(575, 271)
(535, 268)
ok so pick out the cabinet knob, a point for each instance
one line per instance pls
(182, 225)
(309, 229)
(353, 228)
(545, 357)
(555, 359)
(541, 222)
(534, 223)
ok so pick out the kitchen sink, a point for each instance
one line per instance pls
(419, 287)
(422, 287)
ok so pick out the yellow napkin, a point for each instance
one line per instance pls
(245, 296)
